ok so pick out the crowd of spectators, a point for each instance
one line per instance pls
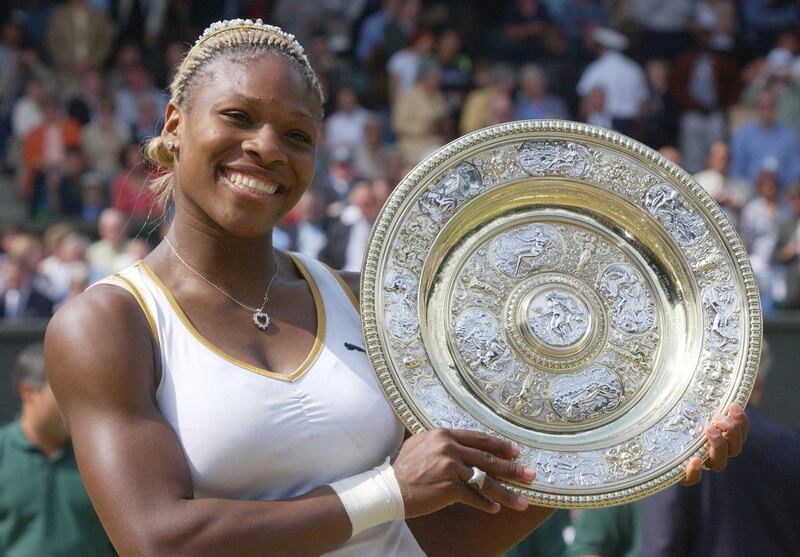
(712, 84)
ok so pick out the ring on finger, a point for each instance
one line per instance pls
(477, 479)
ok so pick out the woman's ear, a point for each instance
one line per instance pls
(172, 124)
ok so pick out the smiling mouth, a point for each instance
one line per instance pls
(250, 183)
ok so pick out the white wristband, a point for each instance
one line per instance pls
(371, 498)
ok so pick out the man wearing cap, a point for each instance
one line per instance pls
(620, 78)
(779, 74)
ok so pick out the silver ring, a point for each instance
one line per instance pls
(477, 478)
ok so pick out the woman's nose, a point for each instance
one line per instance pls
(266, 145)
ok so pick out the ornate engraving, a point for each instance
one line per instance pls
(560, 158)
(586, 394)
(569, 469)
(413, 241)
(525, 392)
(526, 249)
(632, 309)
(400, 286)
(459, 184)
(498, 165)
(481, 343)
(442, 409)
(712, 383)
(722, 312)
(558, 318)
(617, 174)
(668, 206)
(628, 459)
(682, 426)
(591, 248)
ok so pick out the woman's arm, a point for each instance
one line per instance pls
(101, 360)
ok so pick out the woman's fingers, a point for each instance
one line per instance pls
(693, 471)
(495, 466)
(492, 493)
(717, 450)
(731, 430)
(485, 442)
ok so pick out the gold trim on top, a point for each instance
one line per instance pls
(346, 287)
(130, 287)
(316, 349)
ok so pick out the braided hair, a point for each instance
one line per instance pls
(242, 37)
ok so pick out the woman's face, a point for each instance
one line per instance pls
(246, 144)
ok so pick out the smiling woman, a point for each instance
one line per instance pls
(198, 433)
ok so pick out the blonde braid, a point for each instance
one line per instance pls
(252, 37)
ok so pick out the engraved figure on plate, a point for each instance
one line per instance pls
(632, 310)
(539, 158)
(668, 206)
(580, 396)
(479, 337)
(569, 469)
(558, 318)
(400, 286)
(680, 427)
(722, 303)
(521, 251)
(459, 184)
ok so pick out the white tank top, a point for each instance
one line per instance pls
(248, 433)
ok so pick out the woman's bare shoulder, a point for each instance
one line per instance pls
(99, 341)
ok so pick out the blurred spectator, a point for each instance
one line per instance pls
(593, 109)
(347, 238)
(579, 17)
(787, 249)
(533, 100)
(762, 19)
(758, 228)
(78, 40)
(45, 147)
(728, 191)
(456, 68)
(341, 175)
(658, 123)
(371, 34)
(138, 86)
(83, 105)
(10, 74)
(93, 196)
(44, 508)
(524, 26)
(26, 113)
(401, 27)
(57, 188)
(67, 260)
(608, 532)
(417, 118)
(371, 154)
(621, 79)
(129, 190)
(140, 20)
(404, 65)
(750, 509)
(477, 110)
(778, 74)
(664, 26)
(719, 18)
(299, 230)
(671, 153)
(147, 123)
(765, 141)
(705, 85)
(33, 15)
(107, 255)
(20, 295)
(345, 127)
(104, 139)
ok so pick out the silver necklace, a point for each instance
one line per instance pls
(260, 317)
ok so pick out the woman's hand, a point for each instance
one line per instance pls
(725, 436)
(433, 466)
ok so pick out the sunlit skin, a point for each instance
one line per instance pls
(253, 117)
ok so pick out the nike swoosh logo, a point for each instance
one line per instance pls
(354, 347)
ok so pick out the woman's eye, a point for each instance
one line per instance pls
(300, 136)
(238, 116)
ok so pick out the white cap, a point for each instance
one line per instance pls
(779, 61)
(609, 38)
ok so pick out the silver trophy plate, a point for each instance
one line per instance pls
(566, 288)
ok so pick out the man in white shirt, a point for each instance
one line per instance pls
(345, 127)
(622, 80)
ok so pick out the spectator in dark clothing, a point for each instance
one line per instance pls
(749, 509)
(525, 24)
(20, 297)
(57, 190)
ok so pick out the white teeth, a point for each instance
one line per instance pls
(250, 183)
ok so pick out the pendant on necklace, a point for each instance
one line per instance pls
(261, 320)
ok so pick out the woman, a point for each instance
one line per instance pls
(203, 429)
